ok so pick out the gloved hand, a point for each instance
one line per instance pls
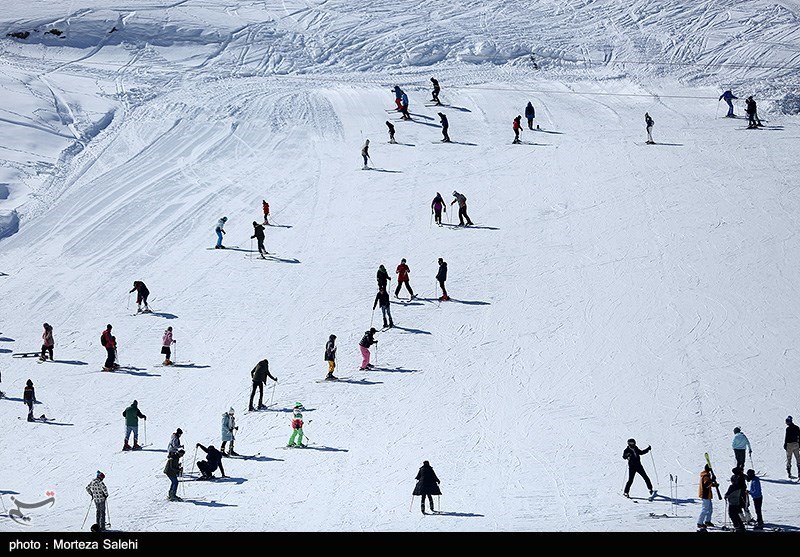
(648, 447)
(198, 445)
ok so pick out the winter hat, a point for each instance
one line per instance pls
(737, 430)
(29, 383)
(298, 404)
(179, 431)
(751, 474)
(403, 260)
(426, 463)
(255, 223)
(225, 218)
(788, 419)
(100, 475)
(631, 441)
(231, 411)
(373, 330)
(333, 337)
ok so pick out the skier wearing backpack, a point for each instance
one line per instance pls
(296, 440)
(259, 375)
(383, 277)
(517, 127)
(461, 199)
(132, 415)
(427, 485)
(633, 454)
(166, 346)
(445, 127)
(47, 342)
(330, 356)
(437, 205)
(441, 276)
(791, 444)
(109, 341)
(729, 98)
(402, 279)
(258, 234)
(29, 398)
(740, 444)
(173, 469)
(220, 230)
(141, 296)
(530, 114)
(366, 341)
(435, 93)
(382, 298)
(99, 493)
(365, 154)
(649, 123)
(228, 428)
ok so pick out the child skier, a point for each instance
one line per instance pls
(109, 342)
(391, 131)
(435, 93)
(517, 127)
(366, 341)
(649, 123)
(296, 440)
(166, 346)
(265, 207)
(365, 154)
(228, 427)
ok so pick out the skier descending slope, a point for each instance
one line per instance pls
(296, 440)
(729, 97)
(141, 296)
(382, 298)
(258, 234)
(445, 127)
(530, 114)
(441, 277)
(435, 92)
(47, 342)
(330, 356)
(649, 123)
(398, 97)
(437, 205)
(228, 428)
(366, 341)
(132, 415)
(220, 230)
(365, 154)
(427, 485)
(404, 106)
(109, 342)
(633, 454)
(265, 208)
(391, 131)
(517, 127)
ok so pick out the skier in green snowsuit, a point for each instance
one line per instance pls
(296, 440)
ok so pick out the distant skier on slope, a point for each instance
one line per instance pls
(220, 230)
(402, 272)
(132, 415)
(47, 342)
(740, 444)
(751, 108)
(382, 299)
(427, 485)
(109, 342)
(365, 154)
(791, 444)
(530, 114)
(259, 375)
(265, 208)
(437, 205)
(141, 296)
(258, 234)
(296, 440)
(649, 123)
(435, 92)
(391, 131)
(729, 97)
(366, 341)
(404, 107)
(228, 428)
(213, 461)
(633, 454)
(445, 127)
(441, 277)
(173, 469)
(463, 217)
(166, 346)
(29, 398)
(99, 493)
(383, 277)
(330, 356)
(398, 98)
(517, 127)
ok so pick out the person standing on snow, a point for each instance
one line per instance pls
(365, 154)
(259, 375)
(175, 443)
(166, 346)
(402, 278)
(382, 298)
(366, 341)
(228, 427)
(141, 296)
(398, 98)
(173, 469)
(258, 234)
(757, 496)
(445, 127)
(330, 356)
(729, 98)
(265, 207)
(463, 217)
(437, 205)
(213, 461)
(99, 493)
(739, 444)
(132, 415)
(404, 107)
(391, 131)
(29, 398)
(441, 276)
(530, 114)
(427, 485)
(47, 342)
(109, 342)
(649, 123)
(708, 481)
(383, 277)
(734, 497)
(751, 109)
(435, 93)
(220, 230)
(633, 454)
(296, 440)
(517, 127)
(791, 444)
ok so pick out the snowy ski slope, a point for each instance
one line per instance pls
(609, 289)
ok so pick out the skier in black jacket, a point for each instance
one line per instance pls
(213, 461)
(435, 92)
(427, 485)
(791, 444)
(383, 277)
(530, 114)
(258, 234)
(259, 375)
(441, 276)
(632, 454)
(445, 126)
(141, 295)
(382, 298)
(366, 341)
(391, 131)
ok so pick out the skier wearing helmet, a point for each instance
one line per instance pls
(632, 454)
(296, 440)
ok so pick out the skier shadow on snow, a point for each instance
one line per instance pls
(138, 371)
(409, 330)
(423, 117)
(259, 458)
(548, 131)
(405, 144)
(325, 448)
(363, 381)
(6, 339)
(669, 144)
(778, 481)
(459, 108)
(475, 226)
(15, 399)
(50, 422)
(464, 143)
(279, 225)
(470, 302)
(229, 480)
(450, 513)
(193, 366)
(5, 351)
(71, 362)
(201, 503)
(164, 314)
(405, 303)
(385, 170)
(146, 450)
(431, 124)
(283, 259)
(521, 142)
(395, 370)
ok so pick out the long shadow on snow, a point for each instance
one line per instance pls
(153, 450)
(71, 362)
(421, 116)
(475, 226)
(669, 144)
(200, 503)
(399, 303)
(470, 302)
(5, 350)
(164, 314)
(256, 458)
(283, 260)
(432, 125)
(285, 409)
(415, 331)
(15, 399)
(357, 381)
(539, 130)
(781, 481)
(138, 371)
(228, 480)
(193, 366)
(395, 370)
(461, 143)
(51, 423)
(447, 513)
(326, 449)
(461, 108)
(6, 339)
(385, 170)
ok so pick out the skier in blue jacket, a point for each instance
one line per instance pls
(530, 114)
(758, 498)
(729, 97)
(404, 106)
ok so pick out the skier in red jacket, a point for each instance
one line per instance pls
(265, 206)
(517, 128)
(402, 278)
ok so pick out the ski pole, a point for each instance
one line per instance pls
(108, 513)
(654, 469)
(191, 472)
(412, 503)
(175, 342)
(376, 352)
(272, 396)
(145, 432)
(250, 255)
(87, 514)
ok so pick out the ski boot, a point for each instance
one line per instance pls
(233, 453)
(391, 324)
(126, 447)
(136, 446)
(331, 377)
(385, 325)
